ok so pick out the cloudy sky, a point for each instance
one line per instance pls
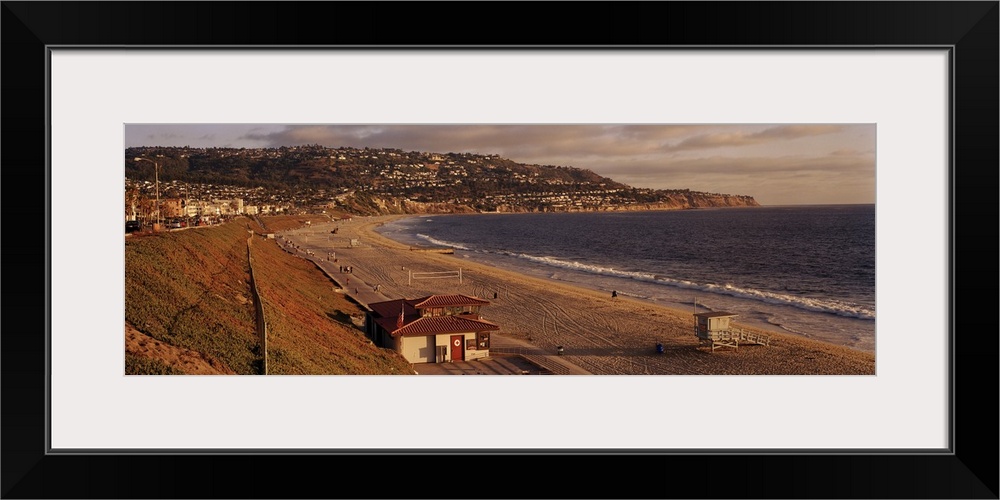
(778, 164)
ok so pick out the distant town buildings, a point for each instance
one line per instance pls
(205, 202)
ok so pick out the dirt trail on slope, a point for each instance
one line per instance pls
(186, 360)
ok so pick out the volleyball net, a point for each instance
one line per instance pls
(434, 275)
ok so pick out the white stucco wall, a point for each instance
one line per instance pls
(418, 349)
(424, 349)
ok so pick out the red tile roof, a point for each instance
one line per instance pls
(448, 301)
(390, 308)
(386, 315)
(437, 325)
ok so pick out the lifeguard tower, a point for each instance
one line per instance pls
(715, 329)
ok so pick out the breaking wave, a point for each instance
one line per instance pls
(828, 306)
(442, 243)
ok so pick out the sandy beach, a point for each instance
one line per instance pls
(600, 334)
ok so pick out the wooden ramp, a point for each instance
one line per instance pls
(733, 338)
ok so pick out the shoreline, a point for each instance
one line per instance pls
(602, 335)
(681, 301)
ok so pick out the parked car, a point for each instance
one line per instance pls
(132, 226)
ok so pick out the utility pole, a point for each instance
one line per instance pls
(156, 175)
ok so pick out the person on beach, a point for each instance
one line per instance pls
(614, 294)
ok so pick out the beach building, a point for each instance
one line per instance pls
(432, 329)
(172, 208)
(715, 329)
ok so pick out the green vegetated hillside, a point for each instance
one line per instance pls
(191, 290)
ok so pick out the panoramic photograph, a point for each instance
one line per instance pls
(479, 249)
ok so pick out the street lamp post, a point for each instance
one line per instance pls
(156, 175)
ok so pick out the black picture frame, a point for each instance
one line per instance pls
(970, 29)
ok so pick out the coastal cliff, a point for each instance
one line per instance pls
(693, 200)
(366, 204)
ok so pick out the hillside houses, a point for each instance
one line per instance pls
(299, 177)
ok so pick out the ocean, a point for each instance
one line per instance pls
(806, 270)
